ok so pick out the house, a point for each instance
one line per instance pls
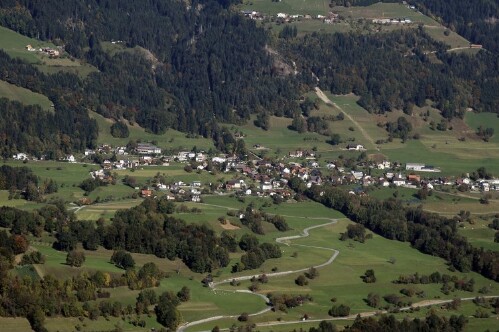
(196, 198)
(20, 156)
(121, 150)
(357, 175)
(282, 15)
(200, 157)
(89, 152)
(106, 164)
(383, 165)
(398, 180)
(147, 148)
(412, 178)
(296, 154)
(196, 184)
(266, 185)
(234, 184)
(248, 192)
(218, 160)
(145, 193)
(70, 158)
(182, 156)
(355, 147)
(414, 167)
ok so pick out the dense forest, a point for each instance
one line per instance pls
(475, 20)
(428, 232)
(393, 71)
(184, 76)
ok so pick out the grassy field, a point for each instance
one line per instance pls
(342, 278)
(385, 10)
(486, 120)
(280, 139)
(311, 7)
(170, 140)
(15, 45)
(25, 96)
(442, 149)
(479, 234)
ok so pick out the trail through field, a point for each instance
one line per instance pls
(365, 314)
(328, 101)
(283, 240)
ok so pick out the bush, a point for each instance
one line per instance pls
(301, 280)
(75, 258)
(243, 317)
(122, 259)
(119, 129)
(339, 310)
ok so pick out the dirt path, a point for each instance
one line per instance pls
(283, 240)
(328, 101)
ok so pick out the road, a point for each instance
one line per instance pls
(422, 304)
(328, 101)
(282, 240)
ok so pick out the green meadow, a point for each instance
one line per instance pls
(172, 139)
(311, 7)
(24, 96)
(15, 45)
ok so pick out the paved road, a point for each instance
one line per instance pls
(283, 240)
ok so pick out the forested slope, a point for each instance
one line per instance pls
(204, 63)
(475, 20)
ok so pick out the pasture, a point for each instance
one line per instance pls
(385, 10)
(172, 139)
(342, 278)
(279, 139)
(24, 96)
(14, 44)
(311, 7)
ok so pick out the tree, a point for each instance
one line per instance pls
(184, 294)
(373, 300)
(301, 280)
(312, 273)
(122, 259)
(339, 310)
(166, 311)
(36, 319)
(75, 258)
(369, 276)
(335, 139)
(119, 129)
(299, 124)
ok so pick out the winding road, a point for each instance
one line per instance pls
(282, 240)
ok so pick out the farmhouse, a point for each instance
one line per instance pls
(420, 168)
(146, 148)
(146, 193)
(414, 167)
(398, 180)
(355, 147)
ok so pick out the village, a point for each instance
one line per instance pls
(265, 177)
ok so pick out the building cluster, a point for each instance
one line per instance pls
(288, 18)
(51, 52)
(392, 21)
